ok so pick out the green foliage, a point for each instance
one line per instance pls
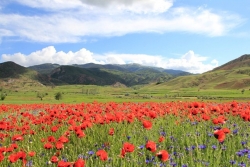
(3, 96)
(58, 96)
(40, 95)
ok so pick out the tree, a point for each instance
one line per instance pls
(40, 95)
(58, 96)
(242, 91)
(3, 96)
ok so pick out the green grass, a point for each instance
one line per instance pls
(90, 93)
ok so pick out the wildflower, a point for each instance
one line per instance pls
(59, 145)
(54, 159)
(48, 145)
(102, 154)
(63, 164)
(161, 139)
(220, 135)
(163, 155)
(151, 146)
(147, 124)
(128, 147)
(111, 131)
(17, 138)
(32, 153)
(214, 147)
(79, 163)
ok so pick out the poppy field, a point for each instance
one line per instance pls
(128, 134)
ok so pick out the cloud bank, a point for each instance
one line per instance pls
(189, 62)
(63, 21)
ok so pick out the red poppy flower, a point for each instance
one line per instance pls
(59, 145)
(79, 163)
(147, 124)
(48, 145)
(54, 128)
(54, 159)
(226, 130)
(220, 135)
(21, 155)
(123, 153)
(102, 154)
(63, 139)
(161, 139)
(80, 133)
(163, 155)
(1, 157)
(13, 158)
(17, 138)
(111, 131)
(63, 164)
(151, 146)
(128, 147)
(32, 153)
(51, 139)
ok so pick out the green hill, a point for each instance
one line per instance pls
(232, 75)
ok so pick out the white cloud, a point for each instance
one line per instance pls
(190, 61)
(51, 4)
(101, 18)
(135, 6)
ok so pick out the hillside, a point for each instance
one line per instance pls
(242, 61)
(14, 76)
(44, 68)
(97, 76)
(232, 75)
(11, 69)
(133, 68)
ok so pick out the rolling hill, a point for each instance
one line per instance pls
(14, 76)
(232, 75)
(88, 74)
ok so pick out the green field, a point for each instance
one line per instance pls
(140, 93)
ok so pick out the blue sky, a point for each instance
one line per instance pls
(190, 35)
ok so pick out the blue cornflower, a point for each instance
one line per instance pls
(29, 163)
(235, 131)
(210, 134)
(141, 146)
(214, 147)
(163, 165)
(202, 146)
(242, 164)
(232, 162)
(163, 133)
(91, 152)
(173, 164)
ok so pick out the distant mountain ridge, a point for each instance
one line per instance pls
(43, 68)
(232, 75)
(96, 74)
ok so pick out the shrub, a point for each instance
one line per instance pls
(58, 96)
(3, 96)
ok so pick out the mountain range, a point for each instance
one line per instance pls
(95, 74)
(232, 75)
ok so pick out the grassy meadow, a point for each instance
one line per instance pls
(139, 93)
(145, 125)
